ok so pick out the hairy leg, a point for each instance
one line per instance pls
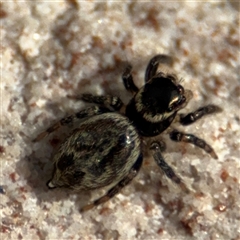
(154, 63)
(128, 80)
(88, 112)
(199, 113)
(177, 136)
(106, 100)
(116, 189)
(157, 148)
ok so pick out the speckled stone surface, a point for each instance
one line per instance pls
(51, 49)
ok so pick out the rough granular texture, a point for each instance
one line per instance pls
(51, 49)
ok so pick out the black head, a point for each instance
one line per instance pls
(155, 105)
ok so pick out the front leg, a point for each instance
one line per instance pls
(153, 64)
(128, 80)
(157, 148)
(88, 112)
(199, 113)
(177, 136)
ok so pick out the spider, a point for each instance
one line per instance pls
(106, 149)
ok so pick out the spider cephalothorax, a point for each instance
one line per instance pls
(155, 105)
(106, 148)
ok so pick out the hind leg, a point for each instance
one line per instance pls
(105, 100)
(95, 110)
(116, 189)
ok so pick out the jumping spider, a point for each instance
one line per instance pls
(107, 147)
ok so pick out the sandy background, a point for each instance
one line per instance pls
(51, 49)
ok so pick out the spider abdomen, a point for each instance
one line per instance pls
(100, 151)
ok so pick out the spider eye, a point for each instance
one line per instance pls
(183, 100)
(181, 89)
(175, 101)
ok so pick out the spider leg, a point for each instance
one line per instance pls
(116, 189)
(154, 63)
(88, 112)
(177, 136)
(157, 148)
(128, 80)
(107, 100)
(199, 113)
